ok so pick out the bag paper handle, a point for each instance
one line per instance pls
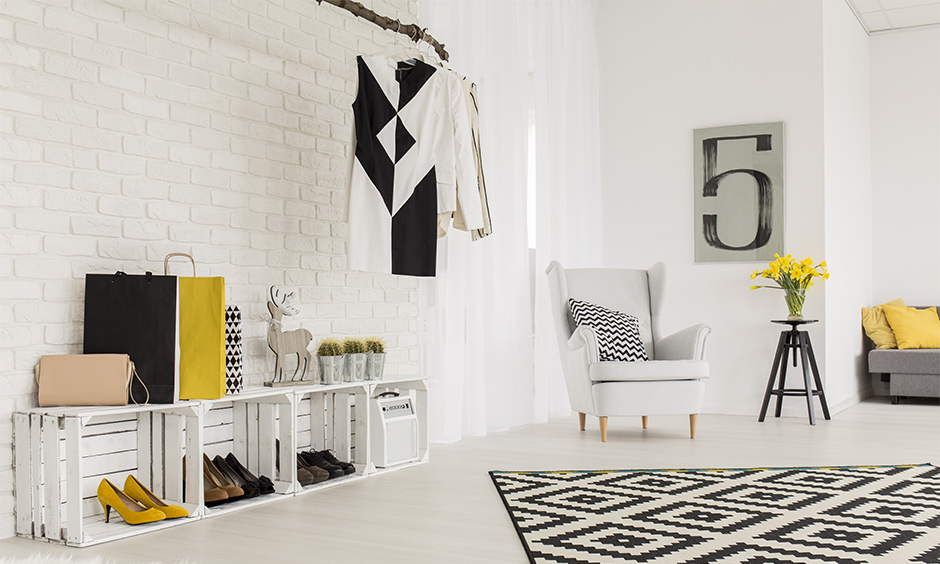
(166, 261)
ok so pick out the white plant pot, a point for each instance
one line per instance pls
(355, 367)
(375, 365)
(331, 369)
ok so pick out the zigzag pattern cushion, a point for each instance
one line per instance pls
(618, 334)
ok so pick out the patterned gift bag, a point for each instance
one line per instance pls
(233, 350)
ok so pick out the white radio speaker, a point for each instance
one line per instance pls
(394, 429)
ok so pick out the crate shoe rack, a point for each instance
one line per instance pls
(62, 453)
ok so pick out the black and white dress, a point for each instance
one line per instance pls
(404, 168)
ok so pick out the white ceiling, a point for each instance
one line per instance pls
(887, 15)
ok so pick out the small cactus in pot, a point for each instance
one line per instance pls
(330, 358)
(355, 350)
(375, 361)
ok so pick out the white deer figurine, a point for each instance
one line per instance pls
(283, 342)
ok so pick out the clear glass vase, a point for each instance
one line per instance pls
(795, 299)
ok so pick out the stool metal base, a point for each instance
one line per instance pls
(797, 341)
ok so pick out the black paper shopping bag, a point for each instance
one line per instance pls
(137, 315)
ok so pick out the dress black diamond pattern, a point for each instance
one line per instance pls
(393, 189)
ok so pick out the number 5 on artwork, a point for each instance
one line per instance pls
(765, 198)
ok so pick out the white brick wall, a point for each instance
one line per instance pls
(131, 128)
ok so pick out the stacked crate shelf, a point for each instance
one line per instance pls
(263, 427)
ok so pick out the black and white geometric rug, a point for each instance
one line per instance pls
(844, 515)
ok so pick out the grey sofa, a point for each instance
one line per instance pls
(909, 372)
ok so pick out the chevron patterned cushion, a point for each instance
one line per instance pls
(618, 334)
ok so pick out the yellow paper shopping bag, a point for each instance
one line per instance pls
(201, 333)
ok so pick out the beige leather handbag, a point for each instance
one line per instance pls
(85, 379)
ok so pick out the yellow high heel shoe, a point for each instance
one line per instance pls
(132, 512)
(139, 493)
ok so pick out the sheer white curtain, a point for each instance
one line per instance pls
(476, 319)
(485, 370)
(568, 192)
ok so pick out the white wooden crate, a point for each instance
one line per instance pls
(62, 454)
(250, 425)
(327, 419)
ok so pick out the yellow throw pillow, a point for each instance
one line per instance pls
(914, 328)
(876, 325)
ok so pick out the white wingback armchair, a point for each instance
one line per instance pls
(672, 382)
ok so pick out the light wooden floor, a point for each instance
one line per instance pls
(448, 511)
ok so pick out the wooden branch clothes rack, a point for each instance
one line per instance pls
(413, 32)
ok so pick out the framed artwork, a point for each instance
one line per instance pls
(738, 192)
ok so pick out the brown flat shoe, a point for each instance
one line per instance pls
(304, 477)
(319, 474)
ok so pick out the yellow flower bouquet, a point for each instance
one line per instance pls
(793, 277)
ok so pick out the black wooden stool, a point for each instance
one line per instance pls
(794, 340)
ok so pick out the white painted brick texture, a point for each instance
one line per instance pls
(132, 129)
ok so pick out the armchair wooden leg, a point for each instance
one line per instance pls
(581, 418)
(693, 422)
(645, 420)
(603, 421)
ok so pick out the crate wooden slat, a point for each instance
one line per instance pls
(157, 421)
(73, 475)
(22, 467)
(52, 529)
(96, 531)
(330, 484)
(144, 447)
(242, 504)
(174, 448)
(35, 472)
(317, 421)
(195, 441)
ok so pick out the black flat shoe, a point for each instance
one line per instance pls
(265, 485)
(251, 489)
(348, 467)
(313, 458)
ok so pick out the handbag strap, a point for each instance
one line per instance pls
(166, 261)
(130, 388)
